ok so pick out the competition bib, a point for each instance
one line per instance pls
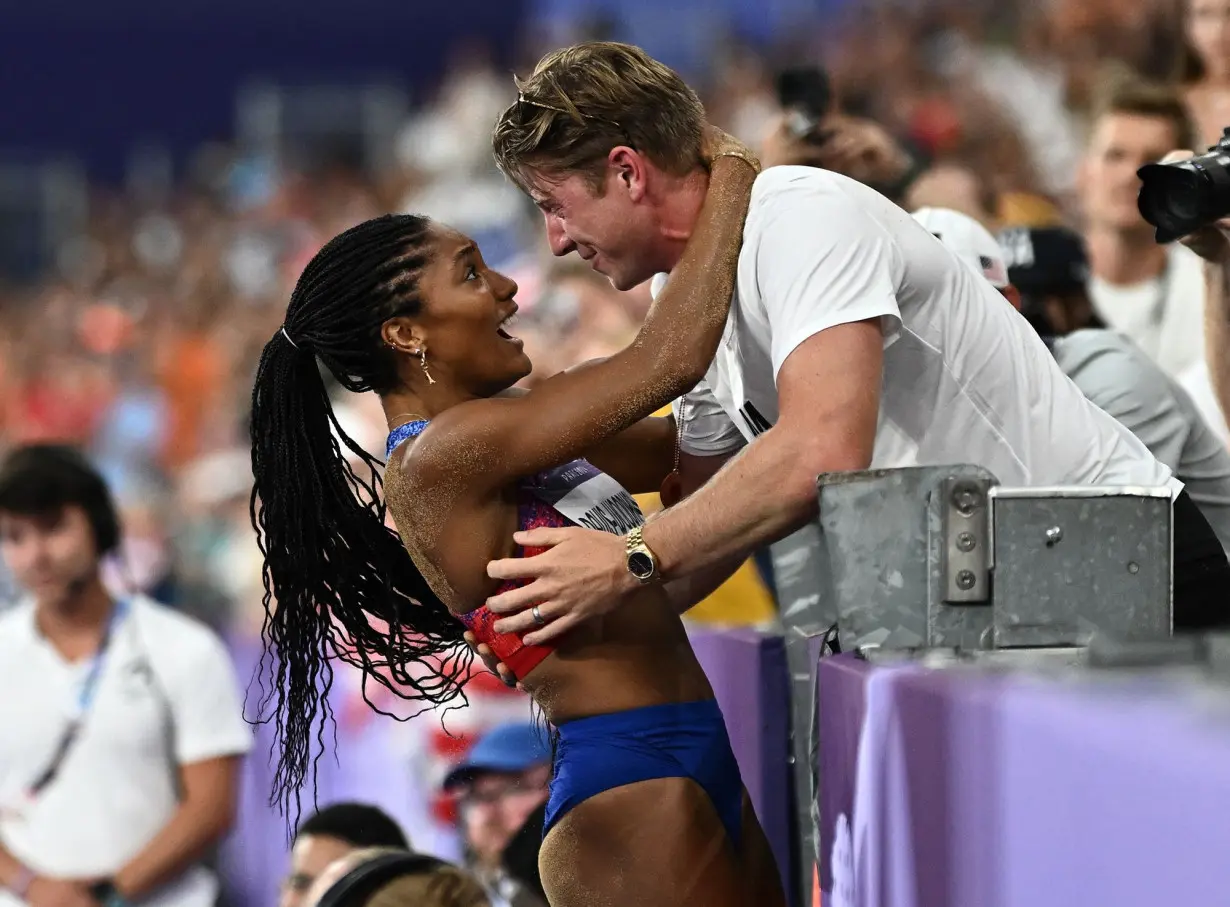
(587, 497)
(578, 490)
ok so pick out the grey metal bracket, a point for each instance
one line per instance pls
(965, 520)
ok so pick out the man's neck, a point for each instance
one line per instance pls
(81, 615)
(678, 211)
(1123, 258)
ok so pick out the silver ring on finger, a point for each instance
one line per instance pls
(537, 615)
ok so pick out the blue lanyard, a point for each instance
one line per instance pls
(85, 700)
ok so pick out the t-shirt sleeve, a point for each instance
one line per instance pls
(705, 428)
(821, 261)
(205, 699)
(1123, 383)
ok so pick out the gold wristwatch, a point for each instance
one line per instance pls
(641, 562)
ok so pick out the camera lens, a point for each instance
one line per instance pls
(1182, 196)
(1172, 199)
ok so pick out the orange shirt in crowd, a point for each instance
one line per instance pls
(191, 373)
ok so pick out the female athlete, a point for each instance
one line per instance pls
(646, 804)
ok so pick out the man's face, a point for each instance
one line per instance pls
(1120, 145)
(308, 859)
(495, 806)
(49, 554)
(613, 231)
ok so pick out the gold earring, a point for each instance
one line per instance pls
(423, 363)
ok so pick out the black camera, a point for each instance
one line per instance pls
(1180, 197)
(807, 97)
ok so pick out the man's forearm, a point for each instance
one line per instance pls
(1217, 331)
(192, 831)
(760, 496)
(686, 591)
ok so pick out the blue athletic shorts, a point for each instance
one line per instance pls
(677, 740)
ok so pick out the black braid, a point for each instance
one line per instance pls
(331, 565)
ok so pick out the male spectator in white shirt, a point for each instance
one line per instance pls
(855, 340)
(1153, 294)
(123, 725)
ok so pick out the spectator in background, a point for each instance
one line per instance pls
(384, 877)
(864, 150)
(1045, 279)
(329, 835)
(500, 783)
(520, 859)
(858, 148)
(1048, 268)
(970, 241)
(1043, 273)
(1155, 295)
(1152, 294)
(120, 755)
(1205, 67)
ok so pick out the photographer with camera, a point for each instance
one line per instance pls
(1148, 288)
(813, 132)
(1187, 196)
(1151, 291)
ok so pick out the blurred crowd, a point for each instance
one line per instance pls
(141, 341)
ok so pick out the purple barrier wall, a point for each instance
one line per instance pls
(965, 789)
(368, 763)
(841, 702)
(749, 677)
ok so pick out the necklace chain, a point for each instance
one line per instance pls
(413, 417)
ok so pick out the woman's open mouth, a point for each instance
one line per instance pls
(506, 323)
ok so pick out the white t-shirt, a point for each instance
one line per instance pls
(1163, 316)
(166, 696)
(966, 379)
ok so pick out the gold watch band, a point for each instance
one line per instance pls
(641, 561)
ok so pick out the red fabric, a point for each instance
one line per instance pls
(508, 647)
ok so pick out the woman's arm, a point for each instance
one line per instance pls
(639, 458)
(569, 414)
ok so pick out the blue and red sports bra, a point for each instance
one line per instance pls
(575, 494)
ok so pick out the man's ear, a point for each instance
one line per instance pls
(630, 169)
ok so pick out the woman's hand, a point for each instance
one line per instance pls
(494, 665)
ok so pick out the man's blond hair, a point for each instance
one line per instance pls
(584, 100)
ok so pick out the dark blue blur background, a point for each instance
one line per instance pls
(91, 79)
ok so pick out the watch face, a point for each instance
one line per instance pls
(640, 565)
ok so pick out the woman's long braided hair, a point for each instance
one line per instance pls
(338, 583)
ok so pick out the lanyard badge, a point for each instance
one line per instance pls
(85, 701)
